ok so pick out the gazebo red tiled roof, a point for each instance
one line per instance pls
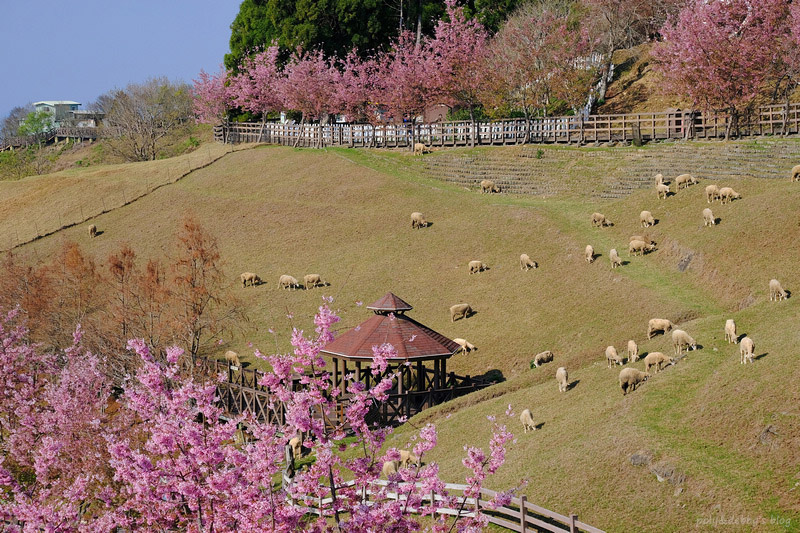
(412, 340)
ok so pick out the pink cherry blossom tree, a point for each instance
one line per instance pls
(310, 86)
(258, 87)
(211, 98)
(355, 87)
(719, 53)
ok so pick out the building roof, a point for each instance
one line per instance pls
(56, 102)
(412, 340)
(390, 302)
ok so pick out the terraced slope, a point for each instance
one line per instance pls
(726, 435)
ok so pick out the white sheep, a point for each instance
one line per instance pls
(390, 468)
(662, 191)
(646, 219)
(629, 378)
(466, 347)
(599, 220)
(418, 220)
(311, 281)
(408, 459)
(796, 173)
(526, 263)
(730, 331)
(459, 311)
(643, 238)
(420, 149)
(614, 258)
(712, 193)
(563, 379)
(613, 358)
(747, 349)
(658, 324)
(728, 195)
(249, 277)
(286, 281)
(658, 360)
(92, 230)
(659, 179)
(541, 358)
(489, 186)
(708, 218)
(685, 180)
(640, 247)
(776, 292)
(297, 446)
(589, 252)
(232, 358)
(681, 340)
(477, 266)
(633, 351)
(527, 420)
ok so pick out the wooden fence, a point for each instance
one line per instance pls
(519, 515)
(48, 136)
(631, 127)
(241, 392)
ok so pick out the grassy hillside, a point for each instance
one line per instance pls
(345, 215)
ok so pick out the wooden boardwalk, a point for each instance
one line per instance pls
(50, 136)
(632, 127)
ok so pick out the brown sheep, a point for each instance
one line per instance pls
(459, 311)
(489, 186)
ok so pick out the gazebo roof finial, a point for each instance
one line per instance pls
(390, 304)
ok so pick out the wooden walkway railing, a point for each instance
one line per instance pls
(631, 127)
(520, 515)
(46, 137)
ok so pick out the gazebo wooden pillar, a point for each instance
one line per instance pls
(418, 348)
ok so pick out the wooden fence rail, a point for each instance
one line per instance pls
(631, 127)
(519, 515)
(46, 137)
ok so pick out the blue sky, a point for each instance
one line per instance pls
(59, 50)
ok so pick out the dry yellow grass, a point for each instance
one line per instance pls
(346, 215)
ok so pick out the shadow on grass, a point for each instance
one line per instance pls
(573, 384)
(757, 357)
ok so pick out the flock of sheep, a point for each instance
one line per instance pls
(654, 362)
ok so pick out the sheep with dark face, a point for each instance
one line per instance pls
(526, 263)
(776, 292)
(92, 231)
(682, 340)
(640, 248)
(796, 173)
(418, 220)
(288, 282)
(477, 266)
(543, 357)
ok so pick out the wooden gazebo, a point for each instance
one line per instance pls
(425, 350)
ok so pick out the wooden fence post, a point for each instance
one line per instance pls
(522, 524)
(572, 527)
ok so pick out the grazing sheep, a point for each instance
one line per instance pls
(418, 220)
(681, 340)
(287, 281)
(747, 349)
(613, 358)
(662, 191)
(643, 238)
(728, 195)
(489, 186)
(252, 278)
(297, 446)
(640, 247)
(658, 360)
(541, 358)
(589, 253)
(527, 420)
(730, 330)
(659, 179)
(614, 257)
(599, 220)
(658, 324)
(796, 173)
(232, 358)
(92, 231)
(466, 347)
(408, 459)
(633, 351)
(685, 180)
(629, 378)
(312, 280)
(420, 149)
(708, 218)
(390, 468)
(646, 218)
(459, 311)
(526, 263)
(776, 292)
(563, 379)
(477, 266)
(712, 193)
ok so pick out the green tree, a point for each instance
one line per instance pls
(36, 122)
(10, 125)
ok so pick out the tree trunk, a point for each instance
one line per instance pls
(472, 126)
(731, 121)
(419, 22)
(300, 130)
